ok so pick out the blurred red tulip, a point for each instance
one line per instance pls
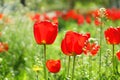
(53, 65)
(88, 19)
(46, 17)
(91, 48)
(51, 16)
(95, 13)
(3, 47)
(112, 35)
(36, 17)
(109, 13)
(45, 32)
(118, 55)
(113, 14)
(1, 16)
(55, 20)
(58, 13)
(100, 13)
(71, 14)
(97, 22)
(80, 19)
(73, 43)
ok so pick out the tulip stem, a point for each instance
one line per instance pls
(113, 58)
(68, 66)
(73, 67)
(100, 52)
(82, 66)
(45, 62)
(115, 63)
(55, 76)
(90, 66)
(37, 76)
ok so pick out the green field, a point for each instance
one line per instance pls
(24, 59)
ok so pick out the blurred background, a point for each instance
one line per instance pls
(48, 5)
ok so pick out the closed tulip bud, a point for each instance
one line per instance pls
(45, 32)
(53, 66)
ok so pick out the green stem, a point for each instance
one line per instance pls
(45, 62)
(73, 67)
(90, 66)
(83, 69)
(55, 77)
(37, 77)
(116, 66)
(106, 63)
(113, 58)
(115, 62)
(100, 51)
(68, 66)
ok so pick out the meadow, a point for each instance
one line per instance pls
(24, 58)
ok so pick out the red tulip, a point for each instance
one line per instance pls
(3, 47)
(58, 13)
(97, 22)
(46, 17)
(45, 32)
(91, 48)
(52, 16)
(88, 19)
(113, 14)
(109, 14)
(71, 14)
(112, 35)
(1, 16)
(118, 55)
(100, 13)
(55, 20)
(80, 19)
(53, 65)
(36, 17)
(96, 13)
(73, 43)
